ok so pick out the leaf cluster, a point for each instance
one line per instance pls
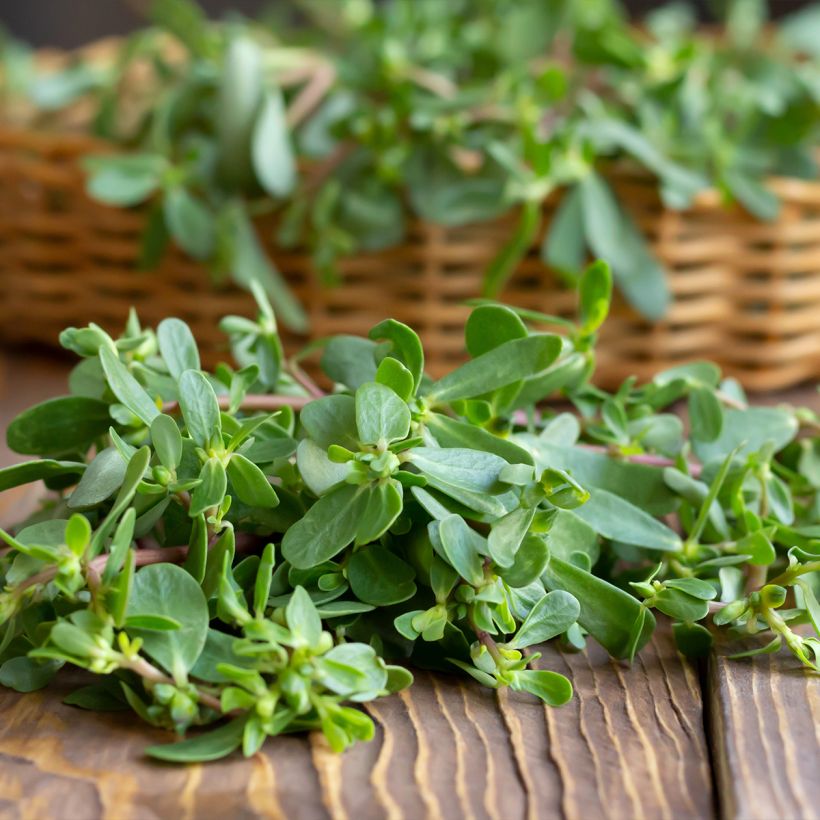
(242, 548)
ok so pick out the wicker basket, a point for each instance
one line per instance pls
(746, 294)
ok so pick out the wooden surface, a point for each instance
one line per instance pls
(642, 742)
(765, 732)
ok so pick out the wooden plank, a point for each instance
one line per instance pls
(630, 745)
(764, 721)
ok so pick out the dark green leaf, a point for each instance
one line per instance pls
(64, 425)
(405, 343)
(326, 529)
(29, 471)
(607, 613)
(210, 745)
(489, 326)
(505, 364)
(379, 577)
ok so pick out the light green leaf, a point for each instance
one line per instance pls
(381, 416)
(319, 473)
(460, 546)
(384, 504)
(177, 346)
(168, 590)
(617, 519)
(507, 534)
(350, 360)
(595, 294)
(751, 428)
(331, 420)
(396, 376)
(705, 414)
(563, 248)
(489, 326)
(100, 481)
(167, 441)
(553, 615)
(454, 433)
(126, 388)
(29, 471)
(459, 467)
(529, 563)
(607, 613)
(211, 489)
(554, 689)
(273, 159)
(200, 409)
(639, 484)
(189, 222)
(302, 618)
(124, 180)
(250, 483)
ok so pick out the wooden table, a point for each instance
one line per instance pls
(660, 739)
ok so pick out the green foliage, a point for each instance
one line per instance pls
(236, 557)
(371, 115)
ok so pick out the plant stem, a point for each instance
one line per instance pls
(788, 576)
(149, 672)
(265, 403)
(312, 93)
(304, 379)
(650, 459)
(487, 641)
(730, 401)
(756, 578)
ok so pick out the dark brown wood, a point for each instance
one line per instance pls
(631, 744)
(764, 727)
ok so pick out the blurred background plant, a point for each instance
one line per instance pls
(349, 120)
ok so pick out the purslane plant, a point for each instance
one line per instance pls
(240, 548)
(367, 115)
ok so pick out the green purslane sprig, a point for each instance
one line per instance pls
(366, 116)
(244, 551)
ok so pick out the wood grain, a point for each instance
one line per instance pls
(764, 725)
(630, 745)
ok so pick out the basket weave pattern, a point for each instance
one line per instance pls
(745, 294)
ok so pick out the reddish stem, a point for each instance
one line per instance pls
(252, 402)
(650, 459)
(304, 380)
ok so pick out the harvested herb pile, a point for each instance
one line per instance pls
(356, 118)
(240, 549)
